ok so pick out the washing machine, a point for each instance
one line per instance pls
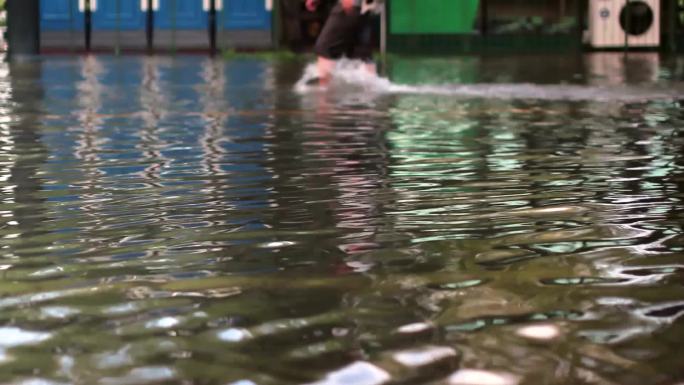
(614, 23)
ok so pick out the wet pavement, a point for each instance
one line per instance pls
(473, 220)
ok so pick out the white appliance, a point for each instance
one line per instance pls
(614, 23)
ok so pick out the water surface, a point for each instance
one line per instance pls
(195, 221)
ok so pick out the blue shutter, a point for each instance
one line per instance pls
(60, 15)
(246, 14)
(188, 15)
(129, 17)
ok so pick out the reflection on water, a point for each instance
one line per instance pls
(184, 220)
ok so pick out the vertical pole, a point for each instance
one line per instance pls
(627, 28)
(562, 10)
(673, 25)
(212, 27)
(277, 24)
(220, 20)
(174, 16)
(581, 14)
(383, 30)
(88, 20)
(150, 27)
(676, 24)
(117, 45)
(72, 35)
(23, 27)
(484, 16)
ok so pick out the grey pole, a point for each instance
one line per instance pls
(174, 20)
(383, 29)
(23, 27)
(212, 27)
(627, 28)
(117, 44)
(672, 10)
(220, 19)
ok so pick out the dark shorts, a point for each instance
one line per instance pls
(346, 35)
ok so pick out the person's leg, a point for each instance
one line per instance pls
(325, 69)
(370, 67)
(363, 43)
(335, 38)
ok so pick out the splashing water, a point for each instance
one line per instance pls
(352, 76)
(345, 74)
(190, 221)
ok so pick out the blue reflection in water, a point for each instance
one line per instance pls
(195, 220)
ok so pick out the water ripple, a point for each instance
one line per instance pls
(189, 220)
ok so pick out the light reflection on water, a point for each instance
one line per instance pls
(185, 220)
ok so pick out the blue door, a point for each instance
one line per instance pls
(60, 15)
(181, 14)
(118, 14)
(246, 14)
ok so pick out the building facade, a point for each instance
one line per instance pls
(432, 26)
(155, 24)
(535, 25)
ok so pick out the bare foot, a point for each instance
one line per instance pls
(371, 68)
(325, 68)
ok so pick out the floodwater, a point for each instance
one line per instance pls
(473, 220)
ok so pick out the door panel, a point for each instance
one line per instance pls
(183, 14)
(246, 14)
(60, 15)
(118, 14)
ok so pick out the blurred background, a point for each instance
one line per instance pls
(411, 26)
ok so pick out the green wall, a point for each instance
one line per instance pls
(433, 16)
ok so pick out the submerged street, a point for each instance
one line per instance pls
(200, 221)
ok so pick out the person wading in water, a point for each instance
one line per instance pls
(347, 33)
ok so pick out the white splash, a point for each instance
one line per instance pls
(345, 74)
(38, 381)
(539, 332)
(58, 312)
(482, 377)
(358, 373)
(234, 335)
(415, 328)
(11, 337)
(352, 76)
(162, 323)
(425, 356)
(143, 375)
